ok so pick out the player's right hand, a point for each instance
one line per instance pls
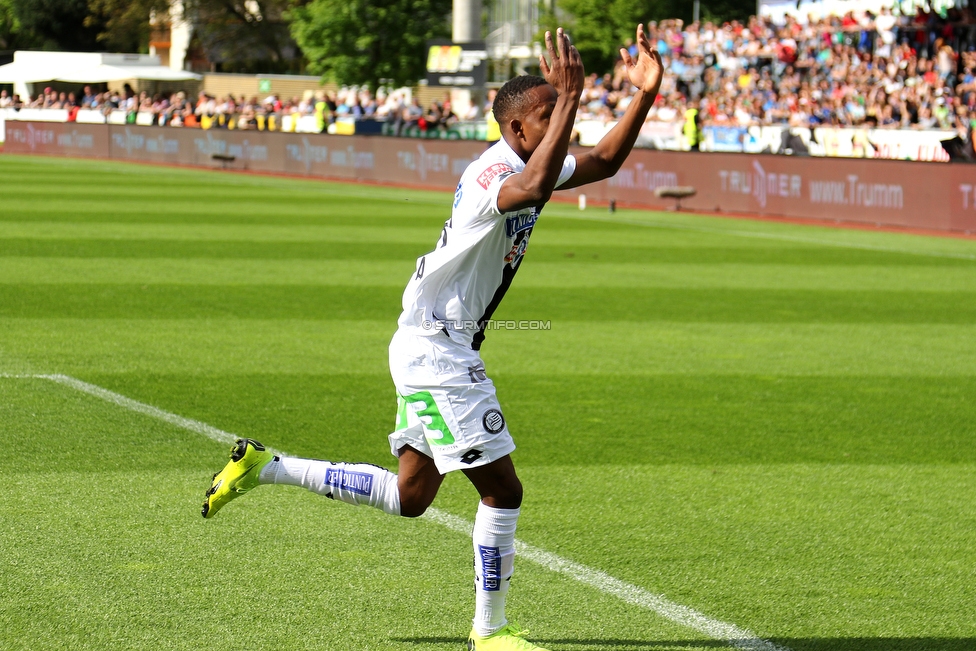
(565, 72)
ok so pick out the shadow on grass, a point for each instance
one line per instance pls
(795, 644)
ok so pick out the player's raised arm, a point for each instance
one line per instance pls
(540, 132)
(609, 154)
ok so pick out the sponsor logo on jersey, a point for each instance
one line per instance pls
(493, 172)
(521, 222)
(491, 568)
(517, 252)
(357, 482)
(457, 195)
(493, 421)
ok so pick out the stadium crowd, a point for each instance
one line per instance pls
(176, 109)
(884, 71)
(877, 70)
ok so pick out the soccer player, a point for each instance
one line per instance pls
(448, 417)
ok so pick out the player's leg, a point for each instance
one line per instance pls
(252, 465)
(497, 483)
(353, 483)
(494, 549)
(453, 406)
(418, 480)
(407, 493)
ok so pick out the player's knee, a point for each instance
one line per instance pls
(508, 495)
(413, 506)
(412, 510)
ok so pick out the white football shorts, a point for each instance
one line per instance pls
(446, 405)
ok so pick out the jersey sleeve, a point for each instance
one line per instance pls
(491, 181)
(569, 168)
(567, 171)
(486, 185)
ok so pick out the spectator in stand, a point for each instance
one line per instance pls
(5, 100)
(323, 115)
(355, 109)
(409, 116)
(87, 97)
(248, 118)
(206, 106)
(307, 104)
(367, 103)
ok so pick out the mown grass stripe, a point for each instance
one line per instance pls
(735, 636)
(555, 307)
(771, 236)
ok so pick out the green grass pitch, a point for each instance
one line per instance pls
(772, 424)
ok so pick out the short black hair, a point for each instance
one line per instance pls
(511, 100)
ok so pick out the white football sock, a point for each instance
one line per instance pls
(494, 562)
(354, 483)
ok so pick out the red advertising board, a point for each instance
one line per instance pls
(57, 139)
(899, 193)
(896, 193)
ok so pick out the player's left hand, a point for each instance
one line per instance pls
(647, 72)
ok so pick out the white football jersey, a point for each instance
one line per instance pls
(457, 287)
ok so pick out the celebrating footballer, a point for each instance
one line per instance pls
(448, 416)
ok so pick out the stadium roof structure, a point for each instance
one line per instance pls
(86, 67)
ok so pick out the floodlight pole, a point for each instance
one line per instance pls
(696, 12)
(466, 21)
(466, 28)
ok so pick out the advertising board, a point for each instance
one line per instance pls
(57, 139)
(876, 192)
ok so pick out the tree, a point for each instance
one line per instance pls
(720, 11)
(77, 25)
(12, 34)
(57, 24)
(366, 41)
(123, 25)
(600, 27)
(244, 35)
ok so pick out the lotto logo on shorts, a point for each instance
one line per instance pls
(356, 482)
(493, 421)
(491, 568)
(492, 173)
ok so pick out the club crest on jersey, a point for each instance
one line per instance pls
(492, 173)
(521, 222)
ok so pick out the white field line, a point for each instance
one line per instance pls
(134, 405)
(632, 594)
(772, 236)
(713, 628)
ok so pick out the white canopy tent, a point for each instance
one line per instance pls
(84, 67)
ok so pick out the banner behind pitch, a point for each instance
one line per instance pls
(901, 193)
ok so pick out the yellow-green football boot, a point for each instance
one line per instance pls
(240, 475)
(509, 638)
